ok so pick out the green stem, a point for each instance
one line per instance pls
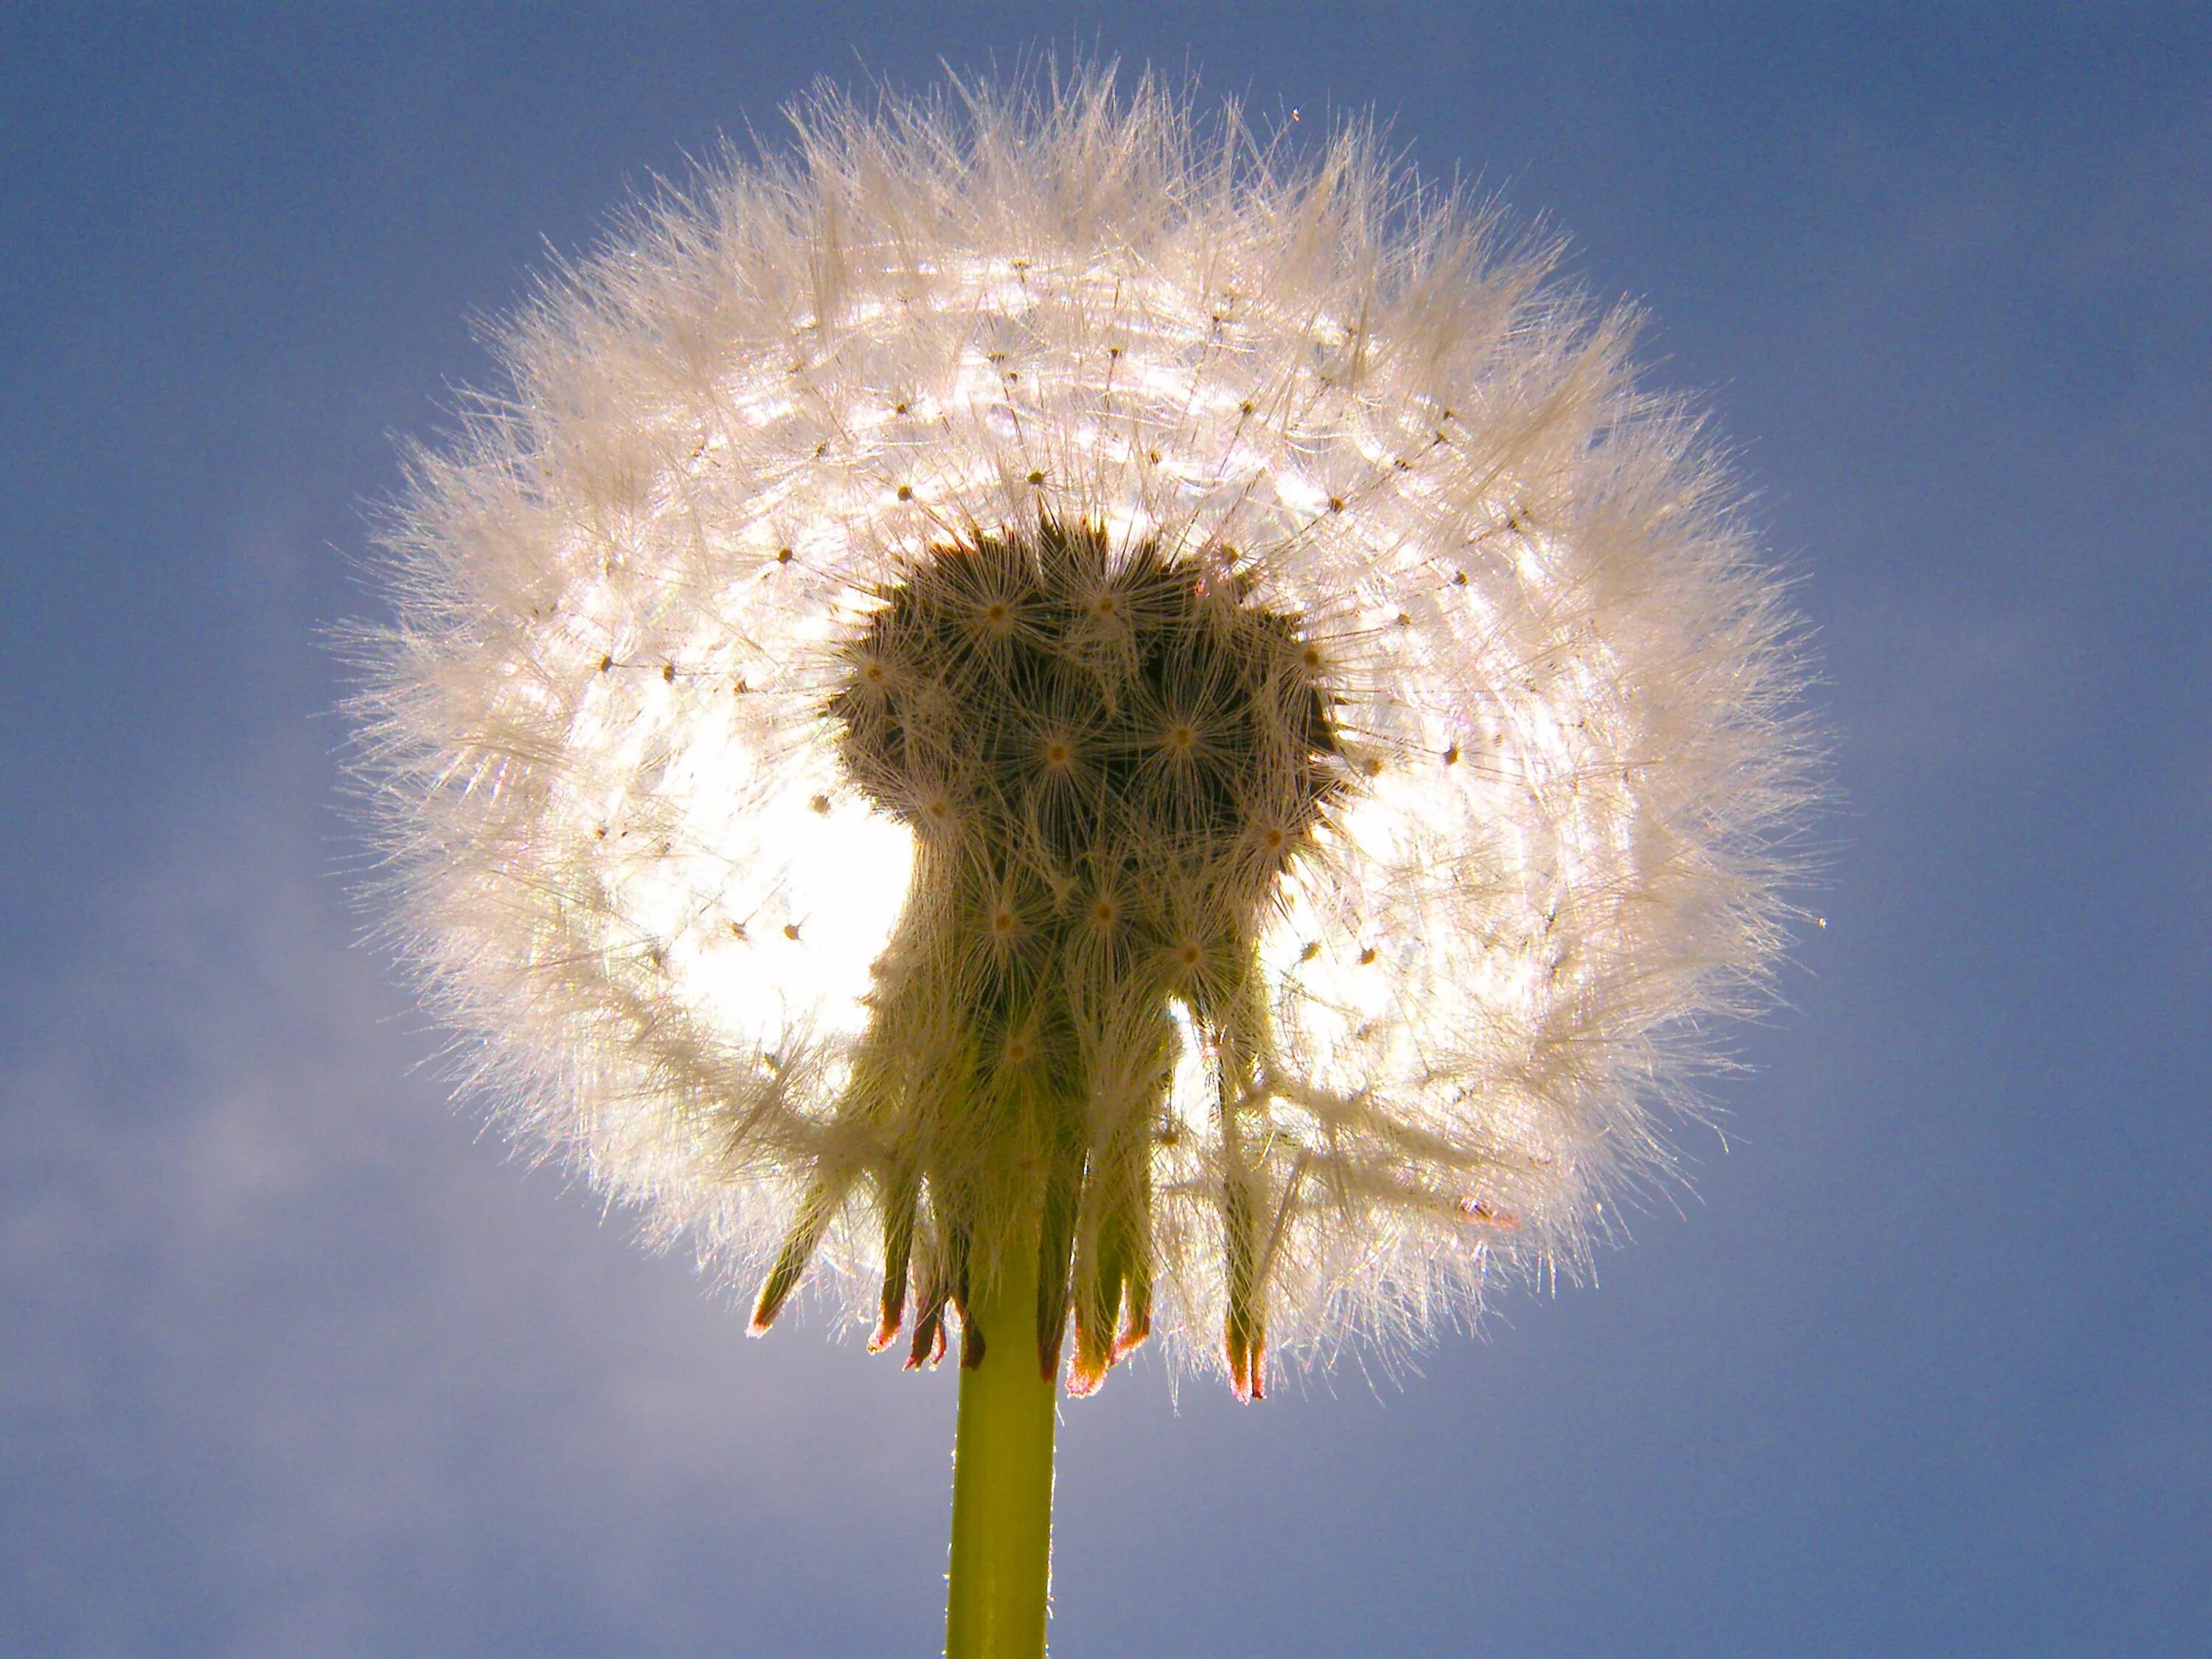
(1002, 1476)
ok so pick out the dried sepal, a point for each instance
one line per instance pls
(1055, 1244)
(816, 1212)
(900, 1204)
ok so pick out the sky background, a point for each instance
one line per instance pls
(295, 1362)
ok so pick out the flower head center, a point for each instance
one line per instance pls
(1205, 729)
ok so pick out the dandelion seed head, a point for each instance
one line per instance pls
(1037, 645)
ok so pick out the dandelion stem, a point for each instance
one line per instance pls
(1002, 1474)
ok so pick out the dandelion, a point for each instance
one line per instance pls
(1068, 729)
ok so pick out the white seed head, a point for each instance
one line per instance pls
(1039, 652)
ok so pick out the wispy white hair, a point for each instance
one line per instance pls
(635, 870)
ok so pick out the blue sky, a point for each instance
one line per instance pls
(293, 1361)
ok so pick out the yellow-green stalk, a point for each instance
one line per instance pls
(1001, 1565)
